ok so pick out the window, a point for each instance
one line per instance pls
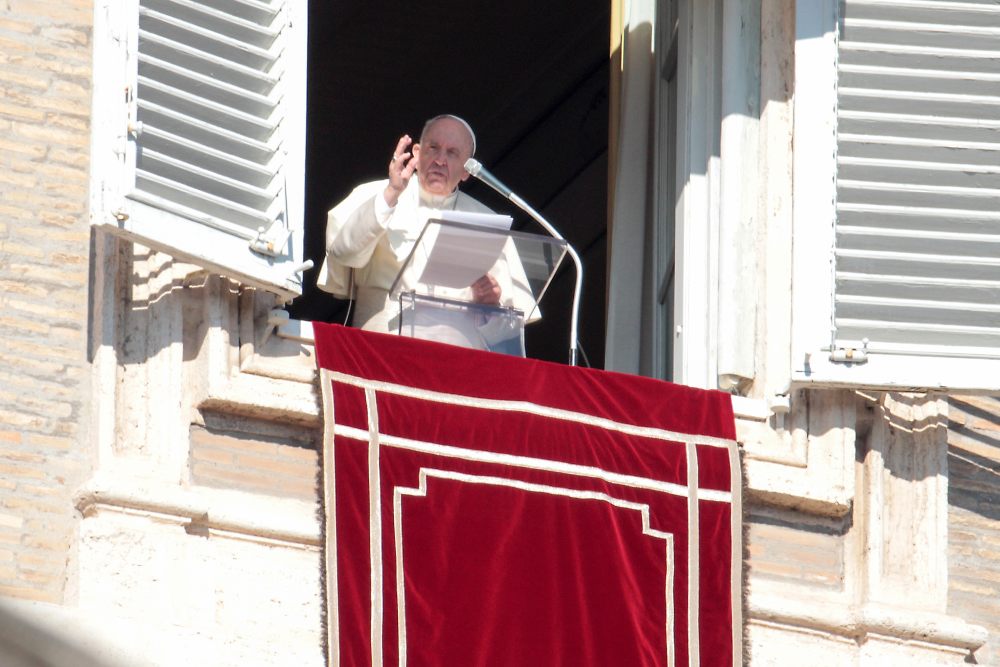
(660, 260)
(665, 223)
(894, 233)
(903, 274)
(198, 137)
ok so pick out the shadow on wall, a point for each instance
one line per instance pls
(974, 455)
(974, 516)
(28, 642)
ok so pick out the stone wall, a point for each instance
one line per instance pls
(254, 455)
(848, 536)
(974, 516)
(200, 531)
(156, 472)
(45, 452)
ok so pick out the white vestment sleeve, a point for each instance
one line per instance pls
(352, 232)
(353, 227)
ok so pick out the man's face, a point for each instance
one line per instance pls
(441, 156)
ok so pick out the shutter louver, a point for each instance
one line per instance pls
(918, 182)
(209, 107)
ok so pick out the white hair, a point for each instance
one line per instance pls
(468, 128)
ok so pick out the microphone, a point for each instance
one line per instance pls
(476, 169)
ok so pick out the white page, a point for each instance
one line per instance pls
(459, 257)
(491, 220)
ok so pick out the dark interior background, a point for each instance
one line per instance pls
(532, 80)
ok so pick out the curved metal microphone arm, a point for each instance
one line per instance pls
(578, 286)
(475, 168)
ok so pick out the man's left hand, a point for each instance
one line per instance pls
(486, 290)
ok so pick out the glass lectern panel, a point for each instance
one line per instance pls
(461, 323)
(448, 257)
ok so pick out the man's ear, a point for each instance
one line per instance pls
(415, 150)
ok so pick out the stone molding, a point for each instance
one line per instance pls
(858, 622)
(202, 510)
(800, 455)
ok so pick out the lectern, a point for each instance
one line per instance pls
(435, 300)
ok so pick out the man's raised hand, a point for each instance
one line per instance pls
(401, 168)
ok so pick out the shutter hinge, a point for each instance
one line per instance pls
(849, 355)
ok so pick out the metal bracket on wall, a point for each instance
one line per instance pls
(282, 325)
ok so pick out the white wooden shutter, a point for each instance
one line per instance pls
(209, 138)
(916, 261)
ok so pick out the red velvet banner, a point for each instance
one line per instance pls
(487, 510)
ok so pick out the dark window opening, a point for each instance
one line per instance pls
(531, 79)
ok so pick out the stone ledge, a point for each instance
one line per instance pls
(860, 622)
(266, 398)
(283, 520)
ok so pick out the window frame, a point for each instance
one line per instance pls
(680, 345)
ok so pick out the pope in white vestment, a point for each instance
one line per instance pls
(371, 233)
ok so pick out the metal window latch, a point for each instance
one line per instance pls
(850, 355)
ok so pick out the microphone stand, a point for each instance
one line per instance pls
(476, 169)
(577, 287)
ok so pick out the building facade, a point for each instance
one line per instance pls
(160, 420)
(816, 179)
(159, 489)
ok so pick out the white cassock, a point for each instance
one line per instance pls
(363, 235)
